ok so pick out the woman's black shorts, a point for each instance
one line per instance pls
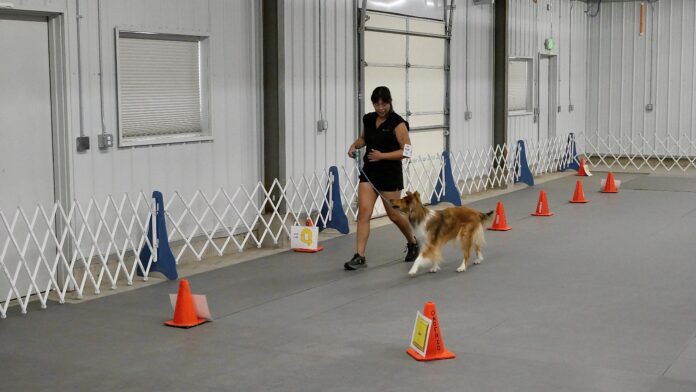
(384, 180)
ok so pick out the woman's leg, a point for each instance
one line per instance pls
(366, 203)
(397, 217)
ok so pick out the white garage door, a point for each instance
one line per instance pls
(413, 67)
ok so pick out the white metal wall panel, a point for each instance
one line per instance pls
(619, 69)
(234, 100)
(477, 132)
(307, 150)
(530, 24)
(234, 105)
(573, 68)
(40, 5)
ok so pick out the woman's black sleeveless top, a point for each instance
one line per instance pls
(385, 175)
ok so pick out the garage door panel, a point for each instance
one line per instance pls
(394, 78)
(426, 51)
(428, 90)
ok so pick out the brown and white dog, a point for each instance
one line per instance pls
(434, 229)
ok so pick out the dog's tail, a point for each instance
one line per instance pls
(478, 238)
(485, 216)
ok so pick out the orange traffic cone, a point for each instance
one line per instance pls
(436, 345)
(542, 206)
(185, 315)
(610, 185)
(583, 171)
(579, 195)
(500, 222)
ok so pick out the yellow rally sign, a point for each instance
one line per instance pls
(421, 332)
(304, 237)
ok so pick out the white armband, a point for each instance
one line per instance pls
(408, 151)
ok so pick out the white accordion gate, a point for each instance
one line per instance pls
(94, 244)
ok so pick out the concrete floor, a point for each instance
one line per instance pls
(599, 297)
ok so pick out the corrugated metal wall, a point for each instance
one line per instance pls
(57, 6)
(231, 159)
(619, 68)
(477, 132)
(234, 100)
(235, 71)
(530, 24)
(307, 150)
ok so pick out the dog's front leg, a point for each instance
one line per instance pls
(416, 264)
(462, 268)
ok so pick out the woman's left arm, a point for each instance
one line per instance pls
(402, 136)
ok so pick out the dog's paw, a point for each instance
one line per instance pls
(479, 258)
(413, 271)
(434, 269)
(461, 268)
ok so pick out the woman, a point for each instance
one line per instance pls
(384, 137)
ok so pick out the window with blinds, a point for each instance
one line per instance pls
(520, 86)
(161, 88)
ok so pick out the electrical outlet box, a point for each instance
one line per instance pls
(549, 44)
(571, 108)
(105, 140)
(560, 108)
(649, 107)
(468, 115)
(82, 143)
(322, 125)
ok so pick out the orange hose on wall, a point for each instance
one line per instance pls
(642, 19)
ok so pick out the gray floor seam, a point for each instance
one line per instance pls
(277, 299)
(688, 213)
(372, 294)
(494, 327)
(656, 190)
(297, 293)
(679, 354)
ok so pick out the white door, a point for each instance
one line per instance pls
(547, 98)
(26, 142)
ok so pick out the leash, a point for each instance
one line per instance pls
(356, 156)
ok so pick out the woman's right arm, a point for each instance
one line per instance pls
(358, 143)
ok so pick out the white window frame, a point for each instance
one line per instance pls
(529, 110)
(204, 80)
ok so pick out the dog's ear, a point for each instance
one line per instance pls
(408, 193)
(417, 195)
